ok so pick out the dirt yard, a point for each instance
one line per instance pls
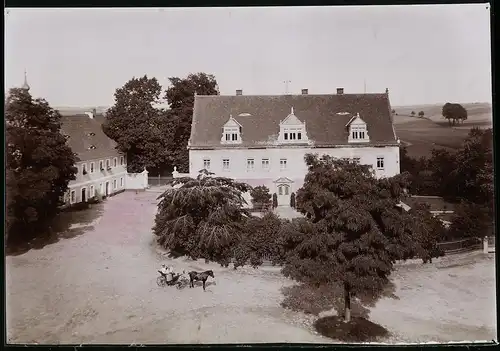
(98, 285)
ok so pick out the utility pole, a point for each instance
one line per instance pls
(286, 86)
(365, 85)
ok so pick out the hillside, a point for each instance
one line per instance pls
(421, 135)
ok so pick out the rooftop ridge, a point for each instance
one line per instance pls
(282, 95)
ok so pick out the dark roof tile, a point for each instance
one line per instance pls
(260, 116)
(85, 132)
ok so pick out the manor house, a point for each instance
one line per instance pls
(262, 139)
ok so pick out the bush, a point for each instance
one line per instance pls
(275, 200)
(292, 200)
(259, 241)
(261, 198)
(358, 329)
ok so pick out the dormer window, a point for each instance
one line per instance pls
(292, 130)
(231, 132)
(357, 129)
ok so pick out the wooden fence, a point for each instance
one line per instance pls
(459, 246)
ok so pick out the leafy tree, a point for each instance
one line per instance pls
(292, 200)
(139, 128)
(354, 230)
(39, 164)
(430, 232)
(470, 221)
(421, 114)
(473, 172)
(260, 196)
(180, 96)
(260, 240)
(454, 112)
(412, 113)
(202, 217)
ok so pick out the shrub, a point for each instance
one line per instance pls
(292, 200)
(275, 200)
(259, 241)
(261, 197)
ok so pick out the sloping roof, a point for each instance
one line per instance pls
(85, 132)
(323, 115)
(436, 203)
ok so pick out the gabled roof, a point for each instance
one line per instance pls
(232, 122)
(325, 126)
(85, 132)
(356, 119)
(291, 120)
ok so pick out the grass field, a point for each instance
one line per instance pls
(421, 135)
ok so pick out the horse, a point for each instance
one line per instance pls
(195, 276)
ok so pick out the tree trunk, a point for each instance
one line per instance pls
(347, 303)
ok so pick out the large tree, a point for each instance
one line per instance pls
(180, 96)
(140, 129)
(202, 217)
(39, 164)
(355, 228)
(454, 112)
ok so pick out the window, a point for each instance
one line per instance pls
(115, 162)
(283, 163)
(299, 136)
(361, 135)
(114, 184)
(121, 160)
(121, 182)
(206, 164)
(108, 164)
(234, 136)
(228, 137)
(91, 167)
(225, 164)
(286, 136)
(355, 134)
(265, 163)
(84, 169)
(73, 197)
(92, 191)
(380, 163)
(101, 165)
(250, 164)
(280, 190)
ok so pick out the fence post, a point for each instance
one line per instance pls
(485, 245)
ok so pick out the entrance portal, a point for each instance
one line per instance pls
(107, 188)
(84, 194)
(283, 190)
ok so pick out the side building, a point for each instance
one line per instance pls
(262, 139)
(102, 169)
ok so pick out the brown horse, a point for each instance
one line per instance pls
(195, 276)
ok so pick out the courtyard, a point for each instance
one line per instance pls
(97, 284)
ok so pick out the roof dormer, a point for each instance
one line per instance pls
(292, 130)
(358, 132)
(231, 132)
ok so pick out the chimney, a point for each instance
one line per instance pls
(239, 92)
(340, 91)
(305, 91)
(90, 114)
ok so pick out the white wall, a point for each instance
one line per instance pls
(95, 182)
(136, 181)
(296, 167)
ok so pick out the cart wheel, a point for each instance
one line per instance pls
(161, 281)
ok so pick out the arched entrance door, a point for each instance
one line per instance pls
(107, 188)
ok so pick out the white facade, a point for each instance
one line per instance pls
(282, 169)
(99, 177)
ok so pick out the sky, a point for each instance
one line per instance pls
(422, 54)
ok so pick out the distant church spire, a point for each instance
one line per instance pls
(25, 85)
